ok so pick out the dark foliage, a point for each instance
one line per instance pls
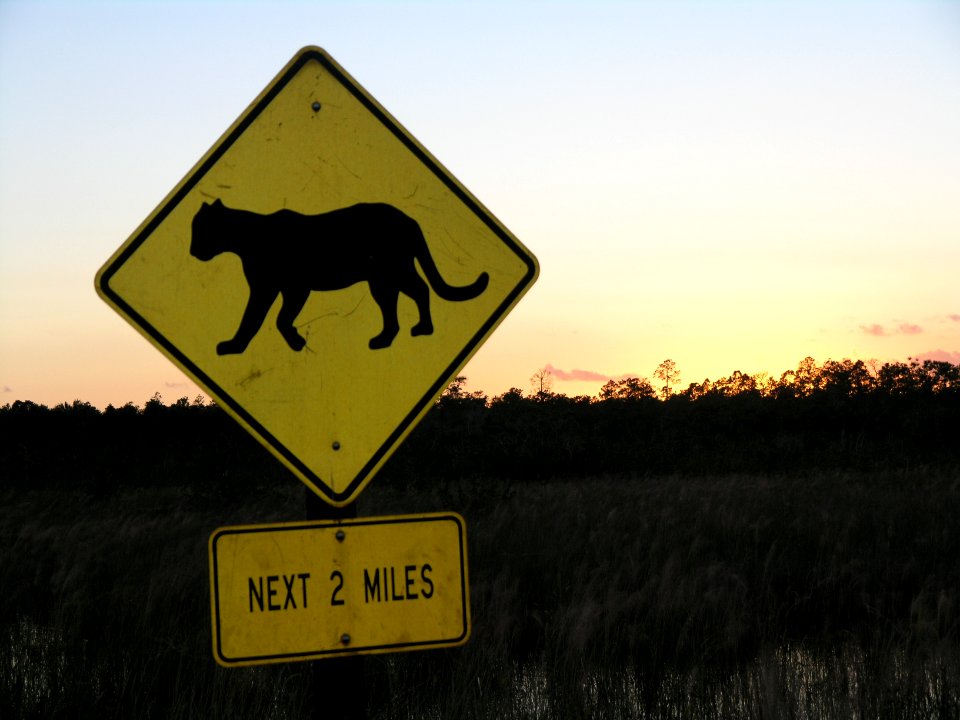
(77, 447)
(839, 417)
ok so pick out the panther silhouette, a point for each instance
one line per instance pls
(290, 254)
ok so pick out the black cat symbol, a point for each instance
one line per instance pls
(290, 254)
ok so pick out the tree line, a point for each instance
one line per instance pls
(841, 415)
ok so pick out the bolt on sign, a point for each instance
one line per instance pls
(321, 275)
(308, 590)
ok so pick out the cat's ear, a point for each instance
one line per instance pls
(217, 203)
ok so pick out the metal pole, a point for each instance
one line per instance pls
(338, 683)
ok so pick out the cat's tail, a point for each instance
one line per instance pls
(454, 293)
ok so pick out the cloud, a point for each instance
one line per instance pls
(575, 374)
(174, 385)
(6, 389)
(878, 330)
(955, 318)
(940, 355)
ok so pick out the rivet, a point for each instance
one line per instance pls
(345, 639)
(316, 106)
(336, 445)
(341, 535)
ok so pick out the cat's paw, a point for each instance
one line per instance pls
(230, 347)
(422, 328)
(380, 341)
(296, 342)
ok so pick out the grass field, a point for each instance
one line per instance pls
(824, 596)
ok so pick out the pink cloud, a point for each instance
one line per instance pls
(940, 355)
(955, 318)
(878, 330)
(576, 374)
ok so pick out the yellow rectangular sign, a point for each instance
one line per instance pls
(307, 590)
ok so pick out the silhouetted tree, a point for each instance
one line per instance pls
(736, 384)
(630, 388)
(846, 377)
(695, 391)
(541, 383)
(668, 374)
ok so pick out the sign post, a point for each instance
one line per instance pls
(337, 685)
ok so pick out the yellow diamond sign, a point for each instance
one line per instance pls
(320, 275)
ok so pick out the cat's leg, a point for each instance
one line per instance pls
(386, 296)
(257, 306)
(293, 302)
(414, 286)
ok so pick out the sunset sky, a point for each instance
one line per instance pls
(732, 185)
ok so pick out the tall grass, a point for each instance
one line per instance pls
(713, 597)
(619, 597)
(106, 613)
